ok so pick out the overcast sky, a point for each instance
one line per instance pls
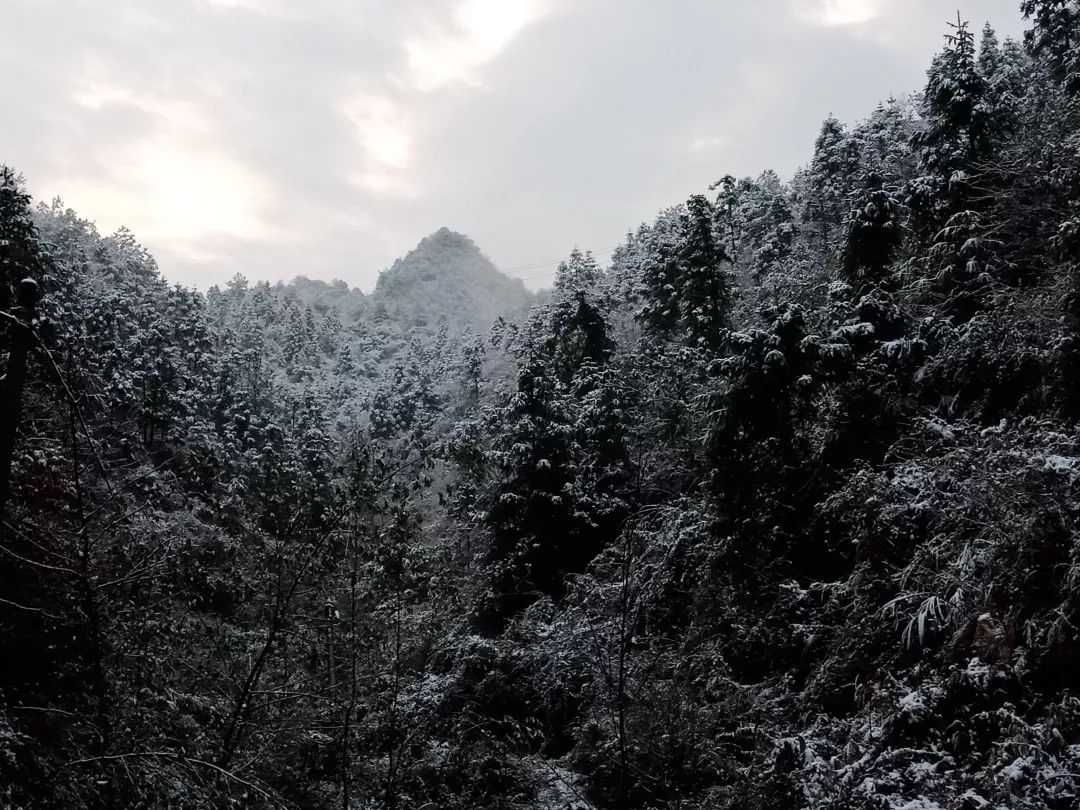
(326, 137)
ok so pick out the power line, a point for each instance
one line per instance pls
(509, 271)
(533, 278)
(548, 274)
(533, 266)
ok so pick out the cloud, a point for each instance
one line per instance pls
(704, 143)
(326, 137)
(286, 9)
(477, 32)
(172, 180)
(171, 192)
(383, 131)
(838, 12)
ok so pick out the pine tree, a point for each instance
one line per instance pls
(886, 137)
(329, 331)
(295, 341)
(316, 451)
(471, 369)
(956, 141)
(263, 304)
(579, 272)
(21, 266)
(990, 57)
(831, 174)
(1005, 72)
(728, 215)
(560, 459)
(873, 233)
(688, 288)
(957, 132)
(20, 254)
(344, 366)
(1055, 35)
(659, 272)
(237, 288)
(406, 404)
(704, 280)
(775, 245)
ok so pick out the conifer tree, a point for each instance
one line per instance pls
(579, 272)
(776, 244)
(20, 255)
(954, 144)
(688, 284)
(873, 233)
(957, 132)
(705, 281)
(990, 57)
(1055, 35)
(662, 310)
(559, 465)
(728, 215)
(295, 339)
(886, 143)
(344, 365)
(831, 174)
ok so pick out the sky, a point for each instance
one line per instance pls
(324, 138)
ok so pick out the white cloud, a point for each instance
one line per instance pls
(479, 31)
(197, 191)
(707, 143)
(284, 9)
(838, 12)
(172, 193)
(326, 136)
(247, 5)
(178, 114)
(385, 120)
(382, 130)
(173, 183)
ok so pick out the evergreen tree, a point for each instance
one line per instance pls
(757, 452)
(560, 459)
(20, 254)
(659, 272)
(688, 289)
(873, 233)
(295, 341)
(406, 404)
(990, 57)
(344, 365)
(954, 145)
(886, 137)
(579, 272)
(728, 215)
(704, 280)
(831, 174)
(778, 240)
(1055, 35)
(957, 132)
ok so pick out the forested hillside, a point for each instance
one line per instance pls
(779, 509)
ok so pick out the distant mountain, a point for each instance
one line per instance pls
(446, 275)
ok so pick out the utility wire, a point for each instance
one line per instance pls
(509, 271)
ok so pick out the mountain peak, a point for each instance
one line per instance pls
(443, 240)
(447, 275)
(445, 234)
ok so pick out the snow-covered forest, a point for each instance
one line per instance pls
(778, 509)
